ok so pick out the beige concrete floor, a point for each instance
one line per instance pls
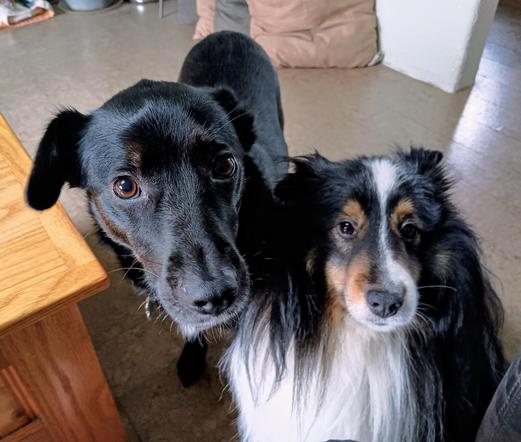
(82, 59)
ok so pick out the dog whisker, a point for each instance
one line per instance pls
(423, 307)
(128, 269)
(437, 286)
(230, 121)
(145, 260)
(424, 318)
(142, 305)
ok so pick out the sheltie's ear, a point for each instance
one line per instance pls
(424, 159)
(57, 159)
(427, 163)
(466, 317)
(306, 178)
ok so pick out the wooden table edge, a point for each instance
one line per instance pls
(98, 285)
(76, 377)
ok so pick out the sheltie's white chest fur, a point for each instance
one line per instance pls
(366, 395)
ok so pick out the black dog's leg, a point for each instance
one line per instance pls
(192, 362)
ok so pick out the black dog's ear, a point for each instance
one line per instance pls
(57, 160)
(242, 120)
(306, 178)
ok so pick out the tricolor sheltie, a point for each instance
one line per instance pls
(373, 318)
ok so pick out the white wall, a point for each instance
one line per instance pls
(437, 41)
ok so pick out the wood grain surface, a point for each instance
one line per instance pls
(34, 432)
(45, 263)
(65, 385)
(12, 414)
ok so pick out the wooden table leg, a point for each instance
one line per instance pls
(58, 370)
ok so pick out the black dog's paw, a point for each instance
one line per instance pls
(192, 362)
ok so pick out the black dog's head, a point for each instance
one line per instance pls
(163, 166)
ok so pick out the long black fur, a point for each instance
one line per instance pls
(456, 353)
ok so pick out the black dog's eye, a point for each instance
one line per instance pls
(347, 229)
(224, 166)
(126, 187)
(408, 231)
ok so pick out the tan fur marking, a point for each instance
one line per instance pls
(346, 285)
(108, 223)
(357, 279)
(134, 155)
(335, 280)
(353, 210)
(404, 209)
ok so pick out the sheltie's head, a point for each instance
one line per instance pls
(374, 229)
(374, 247)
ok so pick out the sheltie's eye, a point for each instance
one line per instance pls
(408, 231)
(346, 229)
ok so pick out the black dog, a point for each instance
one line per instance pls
(373, 318)
(176, 175)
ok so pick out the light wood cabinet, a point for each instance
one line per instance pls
(52, 387)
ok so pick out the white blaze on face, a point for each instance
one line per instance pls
(386, 180)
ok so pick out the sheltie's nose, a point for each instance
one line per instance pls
(383, 303)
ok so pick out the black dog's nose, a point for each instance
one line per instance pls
(383, 303)
(216, 304)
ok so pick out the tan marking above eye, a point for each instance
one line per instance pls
(134, 151)
(354, 212)
(404, 209)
